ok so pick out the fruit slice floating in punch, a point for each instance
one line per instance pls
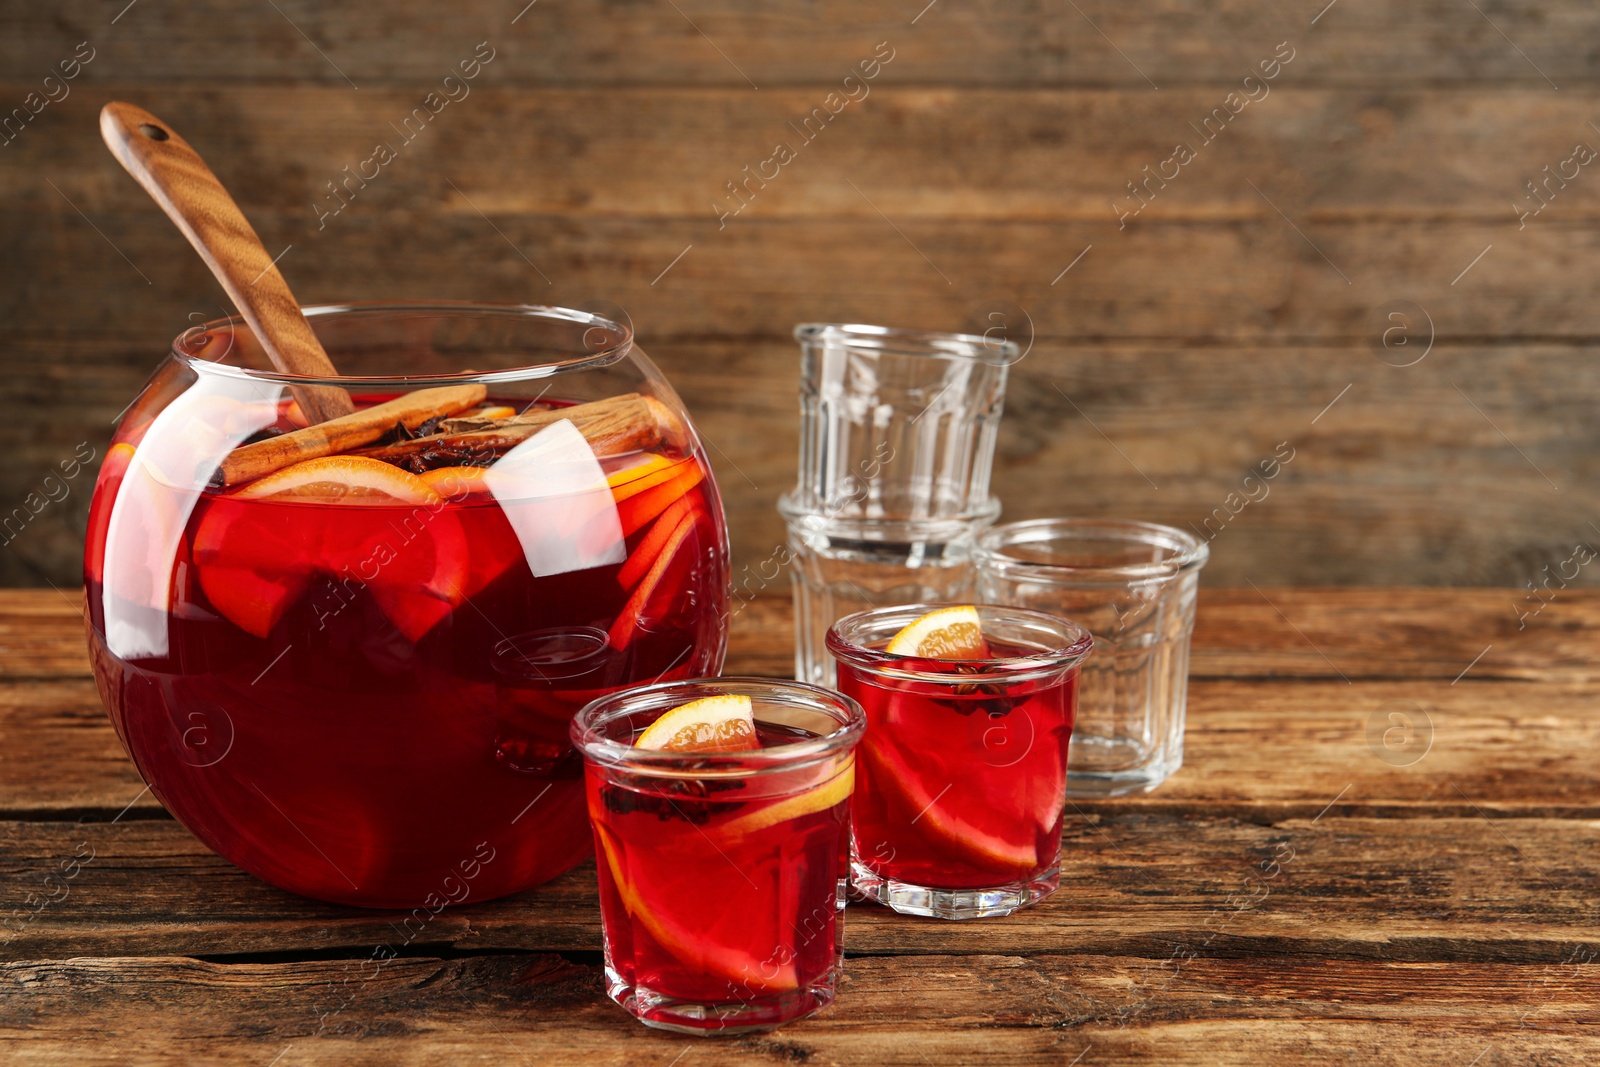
(717, 947)
(640, 507)
(915, 761)
(642, 557)
(254, 561)
(722, 723)
(660, 583)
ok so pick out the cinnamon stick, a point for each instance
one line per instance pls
(538, 418)
(347, 432)
(611, 426)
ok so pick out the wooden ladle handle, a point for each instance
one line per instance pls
(178, 179)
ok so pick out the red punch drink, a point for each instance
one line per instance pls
(346, 655)
(962, 776)
(721, 817)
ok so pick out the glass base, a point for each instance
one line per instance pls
(1130, 777)
(709, 1019)
(908, 899)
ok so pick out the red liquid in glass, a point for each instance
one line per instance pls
(960, 790)
(714, 900)
(367, 701)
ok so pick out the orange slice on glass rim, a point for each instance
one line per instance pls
(948, 633)
(722, 723)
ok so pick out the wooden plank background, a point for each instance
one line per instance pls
(1381, 174)
(1421, 912)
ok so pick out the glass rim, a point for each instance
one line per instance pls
(801, 517)
(461, 308)
(1077, 643)
(904, 342)
(595, 747)
(1190, 553)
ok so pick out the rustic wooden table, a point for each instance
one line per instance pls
(1302, 891)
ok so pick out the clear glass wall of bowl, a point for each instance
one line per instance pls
(352, 674)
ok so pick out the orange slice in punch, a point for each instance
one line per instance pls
(350, 517)
(627, 623)
(341, 480)
(948, 633)
(994, 839)
(817, 798)
(722, 723)
(640, 560)
(640, 507)
(720, 945)
(456, 482)
(252, 601)
(650, 464)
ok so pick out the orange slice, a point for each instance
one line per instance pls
(495, 411)
(386, 529)
(982, 837)
(345, 479)
(252, 601)
(455, 482)
(948, 633)
(723, 723)
(649, 465)
(690, 941)
(640, 506)
(627, 623)
(817, 798)
(643, 557)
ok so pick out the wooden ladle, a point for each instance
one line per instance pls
(178, 179)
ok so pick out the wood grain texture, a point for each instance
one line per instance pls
(1364, 43)
(1237, 281)
(175, 176)
(1273, 726)
(936, 154)
(1290, 895)
(1133, 883)
(974, 1010)
(1384, 635)
(1223, 319)
(1405, 480)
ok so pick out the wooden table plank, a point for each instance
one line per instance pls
(1369, 634)
(1276, 748)
(1136, 883)
(1193, 417)
(1278, 743)
(269, 145)
(1246, 279)
(968, 1010)
(1377, 45)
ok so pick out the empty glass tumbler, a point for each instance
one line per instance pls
(897, 437)
(1133, 586)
